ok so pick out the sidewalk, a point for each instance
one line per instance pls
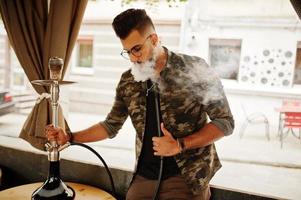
(251, 164)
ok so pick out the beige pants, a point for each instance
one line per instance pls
(173, 188)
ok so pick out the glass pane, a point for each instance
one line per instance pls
(297, 76)
(18, 79)
(85, 54)
(2, 59)
(15, 64)
(224, 57)
(2, 78)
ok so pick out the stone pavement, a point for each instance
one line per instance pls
(251, 164)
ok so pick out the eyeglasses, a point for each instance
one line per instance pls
(135, 51)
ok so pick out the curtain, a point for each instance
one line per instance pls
(297, 6)
(36, 35)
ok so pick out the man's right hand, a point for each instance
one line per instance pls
(56, 134)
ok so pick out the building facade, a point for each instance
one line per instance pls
(254, 46)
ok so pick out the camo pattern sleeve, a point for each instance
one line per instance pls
(220, 115)
(118, 114)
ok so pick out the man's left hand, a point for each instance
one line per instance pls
(165, 145)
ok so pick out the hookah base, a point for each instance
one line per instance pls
(62, 192)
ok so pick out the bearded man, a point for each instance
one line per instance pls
(178, 92)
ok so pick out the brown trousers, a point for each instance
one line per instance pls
(173, 188)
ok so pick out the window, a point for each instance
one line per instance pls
(2, 60)
(224, 56)
(18, 78)
(83, 55)
(297, 75)
(18, 75)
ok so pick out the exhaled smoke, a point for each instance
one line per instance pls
(204, 82)
(200, 80)
(146, 70)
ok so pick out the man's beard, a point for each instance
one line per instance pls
(146, 70)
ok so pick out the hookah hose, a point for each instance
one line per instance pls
(103, 162)
(155, 197)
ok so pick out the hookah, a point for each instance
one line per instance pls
(54, 187)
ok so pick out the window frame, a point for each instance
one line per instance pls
(75, 69)
(298, 46)
(16, 68)
(232, 42)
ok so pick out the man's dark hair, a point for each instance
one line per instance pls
(129, 20)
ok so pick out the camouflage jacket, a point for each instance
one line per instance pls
(189, 96)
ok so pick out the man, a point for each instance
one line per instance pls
(193, 114)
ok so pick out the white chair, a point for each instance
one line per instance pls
(254, 118)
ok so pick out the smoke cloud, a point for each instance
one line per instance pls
(197, 78)
(146, 70)
(203, 82)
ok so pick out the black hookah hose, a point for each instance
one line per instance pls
(103, 162)
(155, 197)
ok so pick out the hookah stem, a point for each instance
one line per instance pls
(54, 90)
(54, 103)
